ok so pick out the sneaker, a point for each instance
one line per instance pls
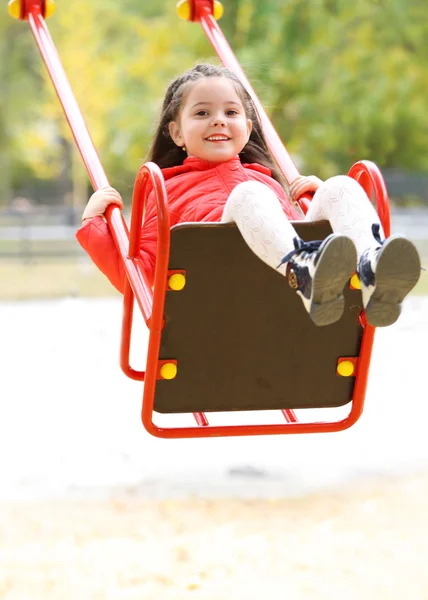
(319, 271)
(387, 273)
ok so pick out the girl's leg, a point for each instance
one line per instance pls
(388, 270)
(343, 202)
(317, 271)
(261, 220)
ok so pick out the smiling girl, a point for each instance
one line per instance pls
(217, 168)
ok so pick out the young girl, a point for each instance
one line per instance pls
(217, 167)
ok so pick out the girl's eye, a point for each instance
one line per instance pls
(204, 113)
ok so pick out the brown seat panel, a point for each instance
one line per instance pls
(240, 334)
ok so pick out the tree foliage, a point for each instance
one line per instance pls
(341, 81)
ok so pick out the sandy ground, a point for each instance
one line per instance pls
(92, 508)
(366, 542)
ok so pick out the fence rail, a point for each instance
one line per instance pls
(36, 236)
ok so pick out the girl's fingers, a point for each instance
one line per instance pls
(295, 185)
(107, 198)
(304, 187)
(115, 201)
(107, 191)
(301, 185)
(102, 198)
(297, 190)
(111, 197)
(107, 188)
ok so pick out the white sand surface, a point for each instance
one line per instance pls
(92, 507)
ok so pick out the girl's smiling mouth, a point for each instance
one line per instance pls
(217, 138)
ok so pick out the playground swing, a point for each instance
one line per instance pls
(212, 346)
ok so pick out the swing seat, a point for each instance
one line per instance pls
(234, 336)
(241, 336)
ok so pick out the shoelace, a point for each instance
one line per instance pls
(301, 247)
(376, 233)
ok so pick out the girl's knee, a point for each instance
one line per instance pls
(246, 196)
(342, 182)
(253, 189)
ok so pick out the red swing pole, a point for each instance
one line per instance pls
(34, 11)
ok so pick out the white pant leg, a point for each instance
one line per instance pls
(342, 201)
(259, 216)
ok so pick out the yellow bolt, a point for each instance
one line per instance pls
(345, 368)
(14, 9)
(355, 282)
(177, 281)
(183, 10)
(168, 370)
(218, 10)
(50, 8)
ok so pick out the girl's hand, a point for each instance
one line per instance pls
(99, 201)
(301, 185)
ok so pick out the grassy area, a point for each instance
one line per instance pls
(54, 279)
(77, 277)
(49, 248)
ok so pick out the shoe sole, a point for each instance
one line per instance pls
(397, 273)
(334, 269)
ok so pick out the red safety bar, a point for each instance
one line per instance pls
(137, 285)
(360, 170)
(370, 178)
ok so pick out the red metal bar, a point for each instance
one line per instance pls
(248, 430)
(370, 178)
(201, 419)
(149, 172)
(32, 6)
(289, 415)
(125, 344)
(225, 53)
(65, 94)
(118, 228)
(75, 120)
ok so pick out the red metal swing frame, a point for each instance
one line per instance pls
(151, 302)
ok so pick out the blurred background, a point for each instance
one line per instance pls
(341, 82)
(90, 505)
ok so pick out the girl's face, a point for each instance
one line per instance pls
(212, 123)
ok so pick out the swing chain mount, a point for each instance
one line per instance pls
(21, 9)
(192, 10)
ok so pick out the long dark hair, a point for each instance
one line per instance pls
(165, 153)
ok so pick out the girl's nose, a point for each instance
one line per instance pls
(218, 121)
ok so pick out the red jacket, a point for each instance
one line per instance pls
(197, 191)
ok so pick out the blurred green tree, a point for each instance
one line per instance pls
(348, 81)
(20, 81)
(341, 81)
